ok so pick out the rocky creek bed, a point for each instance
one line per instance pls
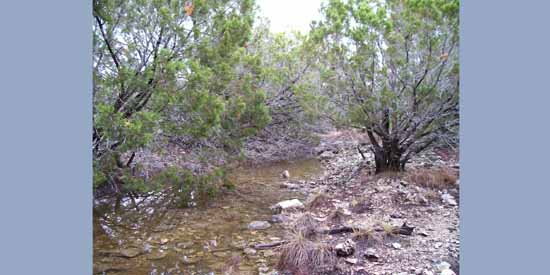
(405, 223)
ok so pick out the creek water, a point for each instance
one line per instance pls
(156, 238)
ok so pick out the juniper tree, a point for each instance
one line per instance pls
(393, 71)
(169, 67)
(288, 62)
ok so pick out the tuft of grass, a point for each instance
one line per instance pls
(337, 217)
(319, 200)
(440, 178)
(360, 234)
(389, 230)
(306, 225)
(302, 256)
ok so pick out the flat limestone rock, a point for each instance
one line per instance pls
(130, 252)
(287, 205)
(259, 225)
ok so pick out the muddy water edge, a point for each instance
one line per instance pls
(156, 238)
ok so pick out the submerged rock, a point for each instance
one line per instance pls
(130, 252)
(190, 260)
(220, 254)
(250, 251)
(106, 268)
(163, 241)
(185, 244)
(259, 225)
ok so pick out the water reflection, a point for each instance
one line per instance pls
(147, 235)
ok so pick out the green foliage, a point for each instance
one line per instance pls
(160, 70)
(191, 189)
(392, 69)
(283, 65)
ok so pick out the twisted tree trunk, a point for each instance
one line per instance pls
(388, 158)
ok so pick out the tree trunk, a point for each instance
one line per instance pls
(388, 158)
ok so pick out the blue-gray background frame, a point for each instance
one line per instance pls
(45, 136)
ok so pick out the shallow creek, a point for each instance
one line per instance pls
(153, 238)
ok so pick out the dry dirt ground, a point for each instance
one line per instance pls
(376, 207)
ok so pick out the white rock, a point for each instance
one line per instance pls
(288, 204)
(346, 248)
(289, 185)
(351, 260)
(326, 155)
(396, 245)
(285, 174)
(447, 272)
(443, 265)
(371, 255)
(448, 199)
(250, 251)
(259, 225)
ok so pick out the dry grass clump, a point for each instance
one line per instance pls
(337, 217)
(390, 230)
(306, 225)
(366, 235)
(361, 234)
(319, 200)
(433, 178)
(302, 256)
